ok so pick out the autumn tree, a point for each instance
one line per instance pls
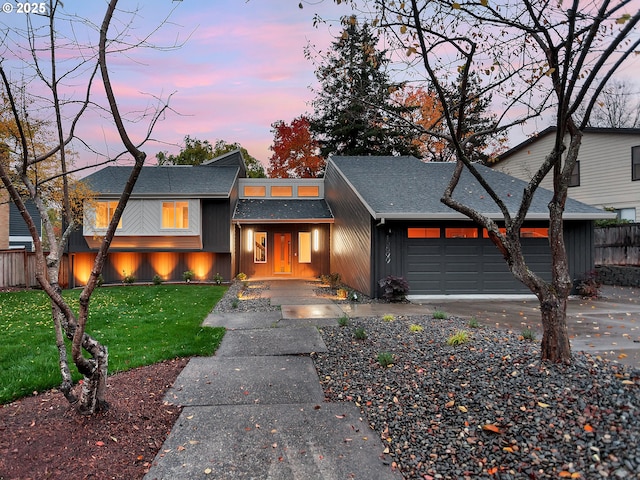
(295, 151)
(533, 58)
(354, 113)
(41, 70)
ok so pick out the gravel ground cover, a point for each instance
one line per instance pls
(487, 408)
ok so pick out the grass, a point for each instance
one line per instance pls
(140, 325)
(440, 315)
(385, 359)
(458, 338)
(528, 334)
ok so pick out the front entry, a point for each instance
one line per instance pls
(282, 252)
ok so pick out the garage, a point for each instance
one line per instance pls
(468, 266)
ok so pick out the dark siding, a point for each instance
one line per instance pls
(17, 225)
(234, 240)
(579, 242)
(351, 236)
(216, 219)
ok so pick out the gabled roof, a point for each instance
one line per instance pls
(406, 188)
(279, 211)
(167, 181)
(549, 130)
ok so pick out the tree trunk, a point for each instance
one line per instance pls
(555, 339)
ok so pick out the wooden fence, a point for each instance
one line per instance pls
(618, 245)
(18, 269)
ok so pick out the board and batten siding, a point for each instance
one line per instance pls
(605, 168)
(351, 242)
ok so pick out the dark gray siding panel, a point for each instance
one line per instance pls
(351, 242)
(17, 225)
(216, 221)
(579, 242)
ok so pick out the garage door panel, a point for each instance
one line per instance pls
(465, 266)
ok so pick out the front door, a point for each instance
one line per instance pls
(282, 252)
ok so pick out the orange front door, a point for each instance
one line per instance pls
(282, 252)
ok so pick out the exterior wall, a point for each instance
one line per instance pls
(579, 241)
(319, 264)
(145, 265)
(19, 235)
(605, 169)
(4, 220)
(351, 234)
(216, 218)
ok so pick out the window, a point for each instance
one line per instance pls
(175, 215)
(281, 191)
(626, 214)
(104, 214)
(260, 247)
(525, 232)
(470, 232)
(308, 191)
(635, 163)
(485, 233)
(255, 191)
(304, 247)
(416, 232)
(574, 181)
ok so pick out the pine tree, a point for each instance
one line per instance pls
(354, 110)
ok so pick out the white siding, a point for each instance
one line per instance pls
(605, 169)
(143, 218)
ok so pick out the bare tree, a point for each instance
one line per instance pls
(534, 58)
(618, 106)
(23, 157)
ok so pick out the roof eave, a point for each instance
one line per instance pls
(492, 216)
(244, 221)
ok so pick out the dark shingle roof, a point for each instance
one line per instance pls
(194, 181)
(405, 187)
(264, 211)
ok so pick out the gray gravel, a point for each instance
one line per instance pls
(484, 409)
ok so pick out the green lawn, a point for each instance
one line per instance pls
(140, 325)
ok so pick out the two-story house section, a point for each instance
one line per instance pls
(606, 176)
(177, 219)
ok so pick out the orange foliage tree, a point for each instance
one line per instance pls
(295, 151)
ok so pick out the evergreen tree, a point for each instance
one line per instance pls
(354, 110)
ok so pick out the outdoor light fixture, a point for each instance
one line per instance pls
(316, 239)
(249, 240)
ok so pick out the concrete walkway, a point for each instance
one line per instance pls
(256, 410)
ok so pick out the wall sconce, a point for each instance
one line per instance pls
(316, 239)
(249, 240)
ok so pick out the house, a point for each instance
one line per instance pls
(14, 233)
(606, 176)
(369, 217)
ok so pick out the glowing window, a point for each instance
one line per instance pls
(415, 232)
(534, 232)
(308, 191)
(485, 233)
(470, 232)
(104, 214)
(304, 247)
(255, 191)
(281, 191)
(175, 215)
(260, 247)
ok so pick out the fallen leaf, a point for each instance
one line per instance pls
(492, 470)
(588, 428)
(628, 382)
(100, 444)
(181, 448)
(576, 475)
(543, 405)
(207, 471)
(340, 416)
(462, 408)
(507, 449)
(450, 404)
(492, 428)
(564, 474)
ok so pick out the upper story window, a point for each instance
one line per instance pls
(574, 181)
(635, 163)
(175, 215)
(104, 213)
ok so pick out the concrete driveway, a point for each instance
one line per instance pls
(608, 326)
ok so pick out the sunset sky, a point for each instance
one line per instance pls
(240, 67)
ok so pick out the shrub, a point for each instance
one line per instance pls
(342, 293)
(128, 279)
(333, 280)
(157, 280)
(100, 281)
(394, 289)
(415, 328)
(458, 338)
(440, 315)
(217, 279)
(388, 318)
(473, 323)
(360, 334)
(385, 359)
(528, 334)
(241, 276)
(188, 275)
(589, 285)
(343, 321)
(234, 304)
(353, 296)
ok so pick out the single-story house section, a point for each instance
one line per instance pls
(369, 217)
(389, 220)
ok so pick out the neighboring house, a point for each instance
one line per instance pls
(607, 174)
(4, 220)
(19, 235)
(368, 218)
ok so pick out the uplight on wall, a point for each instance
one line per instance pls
(316, 239)
(249, 240)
